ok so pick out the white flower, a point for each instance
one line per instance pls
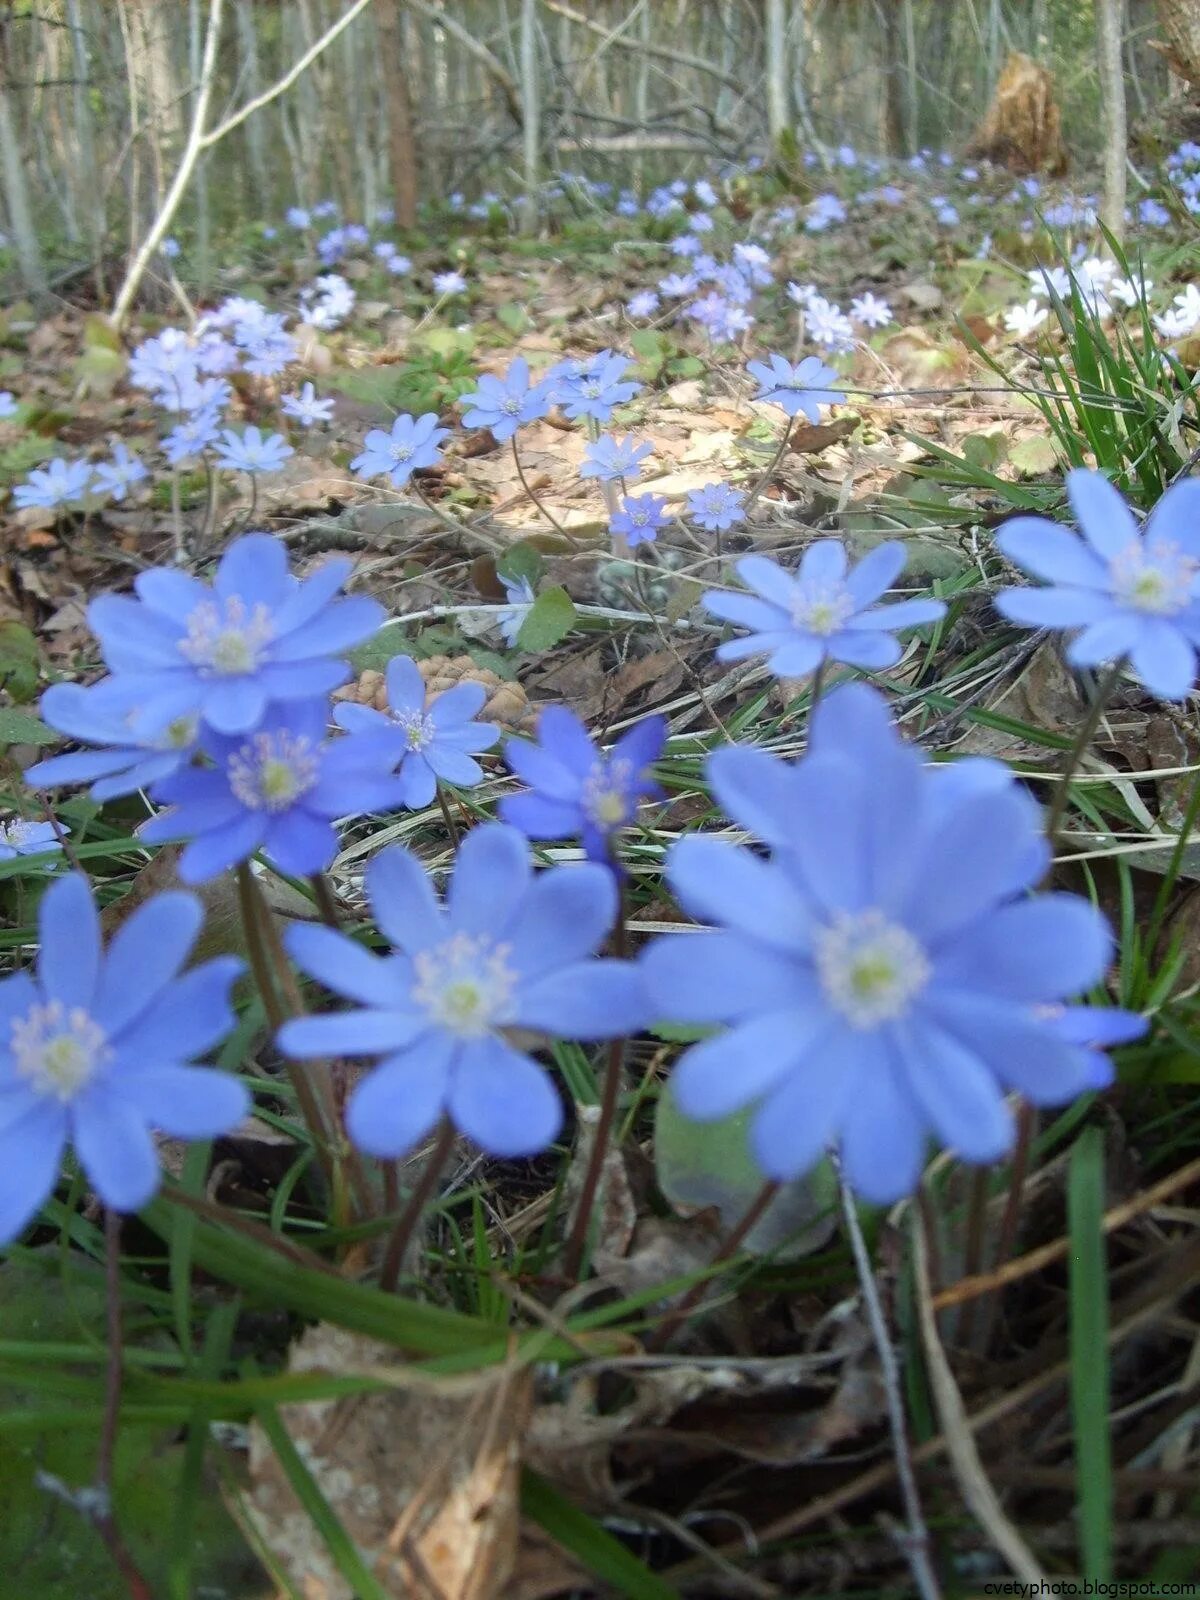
(1023, 320)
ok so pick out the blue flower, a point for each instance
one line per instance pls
(1133, 592)
(306, 408)
(716, 507)
(449, 283)
(256, 636)
(803, 388)
(609, 458)
(640, 518)
(507, 950)
(885, 972)
(252, 452)
(643, 304)
(21, 837)
(511, 618)
(412, 443)
(425, 741)
(575, 789)
(98, 1049)
(822, 612)
(193, 437)
(53, 486)
(275, 789)
(115, 478)
(105, 715)
(594, 387)
(8, 405)
(506, 404)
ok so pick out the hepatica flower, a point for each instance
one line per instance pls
(252, 451)
(608, 458)
(507, 950)
(118, 475)
(575, 789)
(411, 443)
(98, 1049)
(800, 389)
(306, 408)
(59, 483)
(826, 610)
(716, 507)
(1131, 592)
(277, 789)
(20, 836)
(425, 739)
(506, 404)
(885, 974)
(105, 715)
(640, 518)
(594, 387)
(258, 635)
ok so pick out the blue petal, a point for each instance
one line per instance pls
(1051, 553)
(491, 875)
(503, 1101)
(871, 650)
(115, 1149)
(563, 916)
(585, 1000)
(31, 1151)
(340, 626)
(903, 614)
(985, 851)
(453, 766)
(312, 594)
(796, 657)
(1176, 517)
(398, 1104)
(1105, 640)
(715, 881)
(145, 953)
(544, 771)
(69, 931)
(562, 733)
(1022, 1050)
(186, 1102)
(958, 1095)
(1106, 521)
(185, 1018)
(719, 977)
(1039, 950)
(1054, 608)
(768, 579)
(747, 610)
(743, 1063)
(300, 843)
(800, 1116)
(883, 1137)
(1164, 660)
(876, 573)
(459, 704)
(226, 846)
(176, 594)
(256, 568)
(757, 790)
(234, 705)
(402, 898)
(352, 1033)
(344, 966)
(825, 561)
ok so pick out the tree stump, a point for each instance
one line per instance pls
(1022, 129)
(1180, 21)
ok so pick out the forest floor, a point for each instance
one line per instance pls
(755, 1456)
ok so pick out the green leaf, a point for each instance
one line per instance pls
(702, 1164)
(513, 316)
(22, 727)
(596, 1548)
(375, 653)
(20, 663)
(521, 560)
(1034, 456)
(551, 617)
(1090, 1383)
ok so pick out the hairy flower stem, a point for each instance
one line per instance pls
(770, 472)
(103, 1517)
(729, 1248)
(602, 1137)
(435, 1161)
(916, 1544)
(974, 1251)
(447, 818)
(1105, 685)
(1007, 1239)
(816, 689)
(269, 981)
(528, 488)
(325, 900)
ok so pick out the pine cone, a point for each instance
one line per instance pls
(506, 703)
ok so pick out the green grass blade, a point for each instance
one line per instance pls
(596, 1548)
(1089, 1355)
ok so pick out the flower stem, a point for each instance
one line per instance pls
(103, 1517)
(528, 488)
(447, 818)
(1006, 1241)
(816, 689)
(729, 1248)
(1105, 685)
(610, 1095)
(389, 1273)
(325, 899)
(770, 472)
(916, 1545)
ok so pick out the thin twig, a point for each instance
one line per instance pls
(528, 488)
(393, 1259)
(916, 1544)
(733, 1243)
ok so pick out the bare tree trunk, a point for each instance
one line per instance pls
(531, 113)
(779, 111)
(1180, 21)
(85, 144)
(402, 144)
(16, 194)
(1112, 88)
(256, 148)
